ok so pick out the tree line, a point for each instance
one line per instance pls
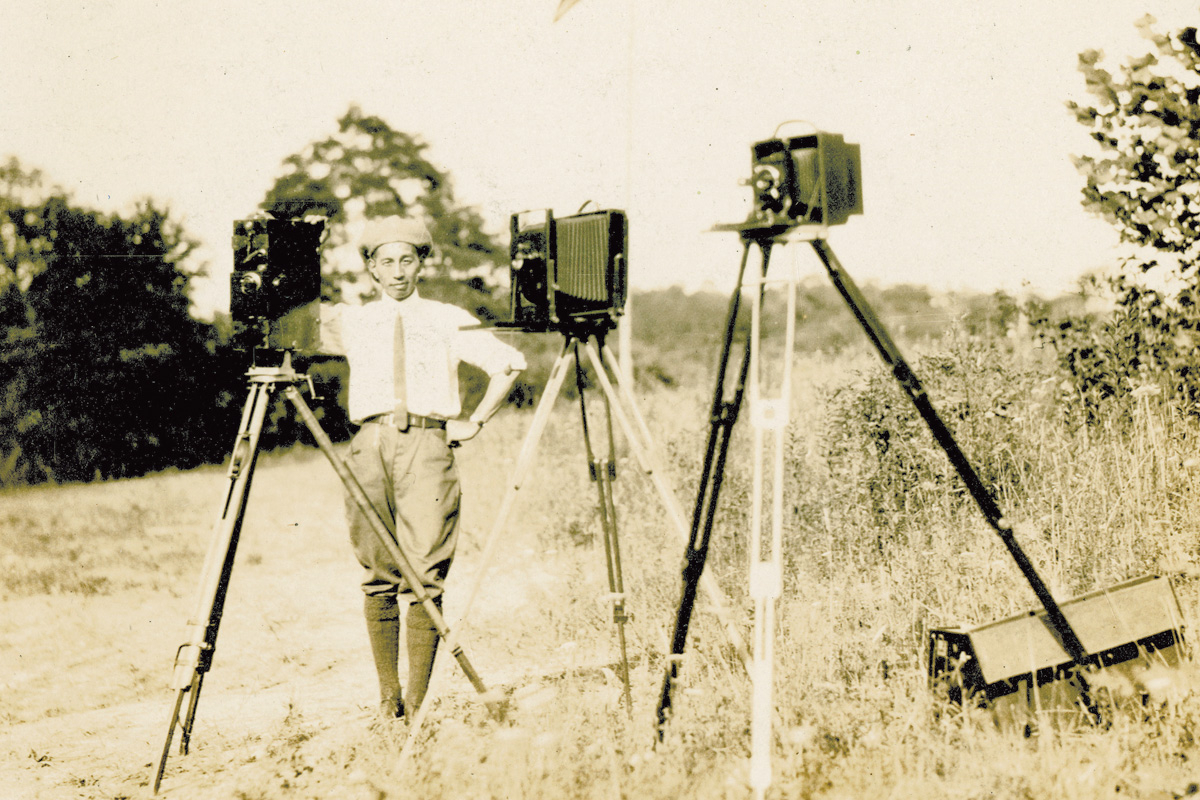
(105, 373)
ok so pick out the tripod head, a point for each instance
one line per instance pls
(583, 329)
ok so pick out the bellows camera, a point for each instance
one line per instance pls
(275, 288)
(814, 179)
(568, 273)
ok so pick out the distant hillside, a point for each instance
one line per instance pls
(666, 318)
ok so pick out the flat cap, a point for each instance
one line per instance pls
(382, 230)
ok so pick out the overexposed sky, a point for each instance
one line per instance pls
(651, 107)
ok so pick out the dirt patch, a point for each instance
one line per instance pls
(84, 693)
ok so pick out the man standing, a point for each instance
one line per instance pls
(404, 352)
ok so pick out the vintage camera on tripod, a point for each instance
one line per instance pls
(275, 288)
(568, 274)
(815, 179)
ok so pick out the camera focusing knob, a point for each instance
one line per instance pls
(251, 283)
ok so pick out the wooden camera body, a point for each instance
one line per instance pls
(568, 273)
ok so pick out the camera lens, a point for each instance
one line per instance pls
(251, 283)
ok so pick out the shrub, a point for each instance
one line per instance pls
(874, 435)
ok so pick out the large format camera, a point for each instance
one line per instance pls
(568, 274)
(275, 288)
(814, 179)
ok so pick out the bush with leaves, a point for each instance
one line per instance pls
(1145, 180)
(893, 468)
(1140, 339)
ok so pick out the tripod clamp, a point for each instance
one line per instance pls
(282, 374)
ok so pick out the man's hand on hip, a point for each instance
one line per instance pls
(461, 430)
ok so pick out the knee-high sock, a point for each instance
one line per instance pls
(422, 642)
(383, 626)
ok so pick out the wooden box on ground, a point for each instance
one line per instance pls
(1017, 667)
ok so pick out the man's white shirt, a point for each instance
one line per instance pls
(435, 345)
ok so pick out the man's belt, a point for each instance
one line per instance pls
(414, 421)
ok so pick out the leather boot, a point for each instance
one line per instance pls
(422, 642)
(383, 627)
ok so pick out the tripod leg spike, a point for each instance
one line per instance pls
(166, 751)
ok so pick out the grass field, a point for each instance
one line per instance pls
(881, 544)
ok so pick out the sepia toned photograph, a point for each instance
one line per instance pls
(599, 399)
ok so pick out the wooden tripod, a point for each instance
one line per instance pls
(194, 657)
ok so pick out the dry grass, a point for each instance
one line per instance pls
(97, 584)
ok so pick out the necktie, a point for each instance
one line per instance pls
(398, 379)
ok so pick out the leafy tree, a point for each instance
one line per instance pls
(1147, 125)
(368, 169)
(1145, 180)
(103, 371)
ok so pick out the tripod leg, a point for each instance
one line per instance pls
(722, 418)
(541, 417)
(524, 463)
(916, 393)
(648, 463)
(769, 417)
(603, 471)
(616, 583)
(383, 532)
(194, 657)
(1059, 626)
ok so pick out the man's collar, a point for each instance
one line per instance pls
(408, 302)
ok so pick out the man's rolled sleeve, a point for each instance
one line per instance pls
(486, 351)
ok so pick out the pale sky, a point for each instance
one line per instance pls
(649, 107)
